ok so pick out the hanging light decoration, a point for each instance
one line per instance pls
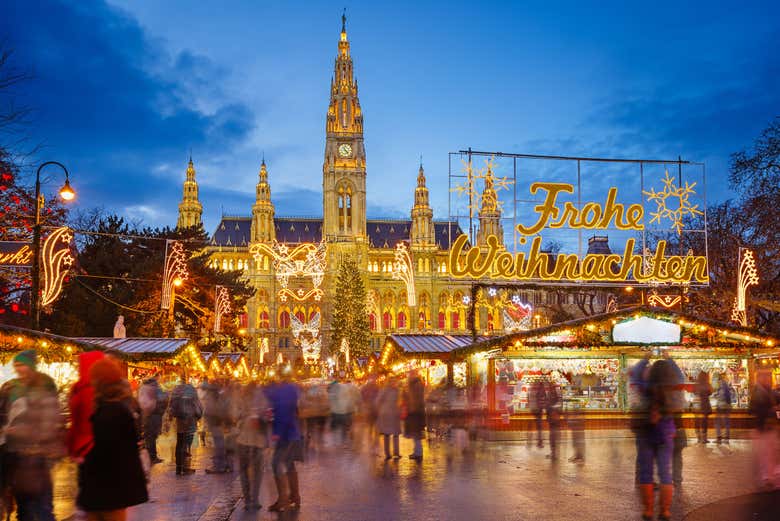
(305, 260)
(746, 276)
(174, 271)
(56, 260)
(221, 306)
(403, 270)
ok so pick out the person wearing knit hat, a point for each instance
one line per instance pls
(33, 421)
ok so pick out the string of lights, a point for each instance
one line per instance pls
(114, 302)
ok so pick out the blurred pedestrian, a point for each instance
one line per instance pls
(314, 409)
(389, 416)
(368, 395)
(764, 406)
(723, 410)
(655, 432)
(32, 437)
(288, 448)
(703, 392)
(576, 421)
(342, 399)
(537, 403)
(113, 474)
(252, 438)
(676, 405)
(214, 416)
(153, 401)
(553, 412)
(414, 405)
(185, 407)
(81, 404)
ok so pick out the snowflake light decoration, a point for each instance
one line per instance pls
(305, 260)
(675, 213)
(517, 316)
(492, 184)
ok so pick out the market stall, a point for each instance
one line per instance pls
(57, 355)
(147, 356)
(234, 365)
(589, 359)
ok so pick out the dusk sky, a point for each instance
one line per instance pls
(121, 91)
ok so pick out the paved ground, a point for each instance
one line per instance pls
(498, 481)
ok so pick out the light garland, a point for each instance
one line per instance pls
(174, 271)
(344, 348)
(403, 270)
(746, 276)
(56, 260)
(221, 306)
(305, 260)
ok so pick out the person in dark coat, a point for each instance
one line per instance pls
(113, 477)
(389, 416)
(414, 424)
(154, 402)
(186, 408)
(703, 392)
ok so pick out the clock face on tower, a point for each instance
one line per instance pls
(345, 150)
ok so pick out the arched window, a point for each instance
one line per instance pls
(300, 315)
(265, 323)
(387, 320)
(372, 321)
(284, 319)
(455, 318)
(345, 207)
(401, 320)
(442, 320)
(224, 264)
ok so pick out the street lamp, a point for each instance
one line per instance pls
(66, 193)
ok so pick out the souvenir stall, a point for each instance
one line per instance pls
(589, 361)
(57, 355)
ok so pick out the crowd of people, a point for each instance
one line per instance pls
(109, 427)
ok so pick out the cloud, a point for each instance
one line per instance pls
(112, 104)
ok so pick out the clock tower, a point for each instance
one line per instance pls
(344, 167)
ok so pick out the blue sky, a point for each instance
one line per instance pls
(123, 90)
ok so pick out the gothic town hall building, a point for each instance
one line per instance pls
(441, 301)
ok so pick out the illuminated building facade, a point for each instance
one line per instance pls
(441, 303)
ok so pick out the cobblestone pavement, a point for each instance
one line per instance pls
(497, 481)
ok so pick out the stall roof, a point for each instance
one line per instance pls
(140, 346)
(734, 332)
(430, 344)
(233, 358)
(13, 331)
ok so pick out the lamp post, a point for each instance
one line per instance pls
(67, 194)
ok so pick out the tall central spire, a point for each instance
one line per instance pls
(344, 167)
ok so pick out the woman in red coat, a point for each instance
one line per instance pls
(82, 405)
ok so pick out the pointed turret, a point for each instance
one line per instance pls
(422, 234)
(190, 209)
(489, 211)
(263, 209)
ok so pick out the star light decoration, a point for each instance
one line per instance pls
(676, 212)
(264, 349)
(174, 271)
(664, 301)
(403, 269)
(305, 260)
(56, 260)
(491, 186)
(221, 306)
(746, 276)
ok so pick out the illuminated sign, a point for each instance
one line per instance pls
(493, 261)
(15, 253)
(646, 330)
